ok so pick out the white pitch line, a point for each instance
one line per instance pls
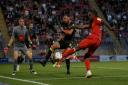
(94, 77)
(23, 80)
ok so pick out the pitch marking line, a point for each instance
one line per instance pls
(122, 76)
(23, 80)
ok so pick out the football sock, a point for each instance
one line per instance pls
(87, 64)
(48, 55)
(18, 62)
(15, 65)
(31, 64)
(68, 65)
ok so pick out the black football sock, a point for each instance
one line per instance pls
(31, 64)
(18, 61)
(15, 65)
(68, 65)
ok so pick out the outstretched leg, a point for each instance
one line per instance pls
(65, 54)
(85, 43)
(50, 51)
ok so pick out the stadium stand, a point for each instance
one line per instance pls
(116, 13)
(46, 17)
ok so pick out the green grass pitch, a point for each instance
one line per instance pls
(104, 73)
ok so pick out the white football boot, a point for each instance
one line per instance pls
(88, 74)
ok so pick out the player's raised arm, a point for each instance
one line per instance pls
(83, 26)
(107, 25)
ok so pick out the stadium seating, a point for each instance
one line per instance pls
(116, 14)
(46, 16)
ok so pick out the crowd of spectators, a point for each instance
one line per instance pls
(46, 16)
(116, 13)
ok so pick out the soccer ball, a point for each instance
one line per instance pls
(58, 55)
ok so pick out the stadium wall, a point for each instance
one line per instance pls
(100, 58)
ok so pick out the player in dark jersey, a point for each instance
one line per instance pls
(33, 36)
(64, 42)
(19, 35)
